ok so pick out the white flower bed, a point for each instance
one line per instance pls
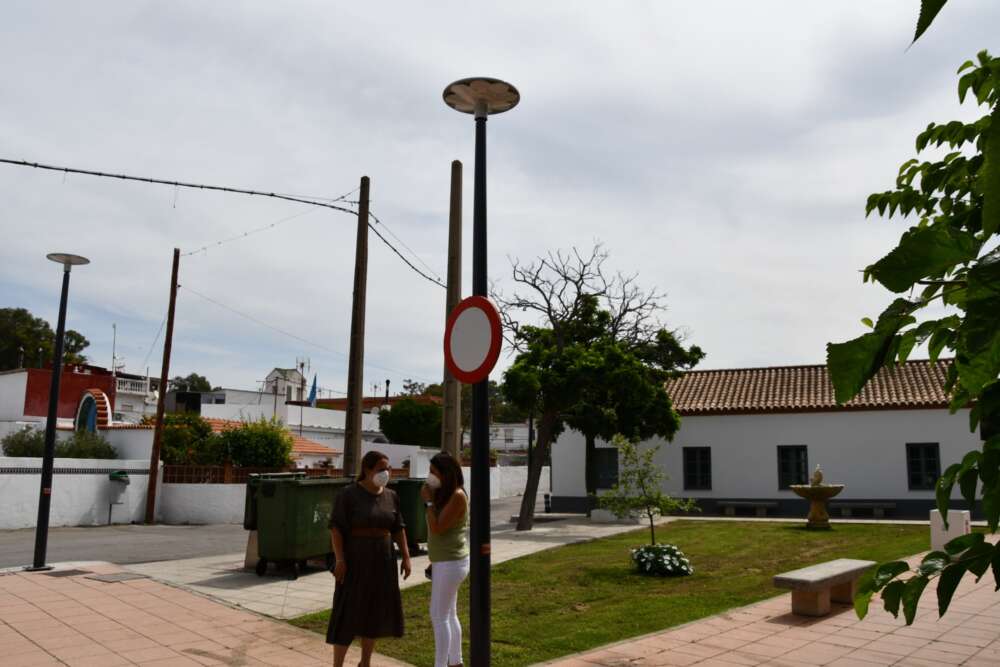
(661, 560)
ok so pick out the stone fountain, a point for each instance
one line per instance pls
(818, 494)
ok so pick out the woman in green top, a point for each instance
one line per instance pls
(447, 517)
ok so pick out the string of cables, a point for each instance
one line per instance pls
(312, 201)
(289, 334)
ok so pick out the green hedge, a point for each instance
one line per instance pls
(30, 442)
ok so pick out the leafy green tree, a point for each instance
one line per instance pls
(412, 422)
(594, 329)
(192, 382)
(30, 442)
(258, 444)
(22, 335)
(951, 255)
(188, 440)
(639, 489)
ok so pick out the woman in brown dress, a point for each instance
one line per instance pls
(365, 521)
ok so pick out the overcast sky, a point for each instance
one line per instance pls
(721, 150)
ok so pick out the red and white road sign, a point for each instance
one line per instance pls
(472, 339)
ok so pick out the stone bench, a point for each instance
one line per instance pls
(878, 509)
(760, 506)
(814, 587)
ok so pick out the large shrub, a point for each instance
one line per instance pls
(412, 423)
(188, 440)
(30, 442)
(260, 444)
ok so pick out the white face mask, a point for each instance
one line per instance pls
(380, 479)
(433, 481)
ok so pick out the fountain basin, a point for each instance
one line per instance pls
(818, 495)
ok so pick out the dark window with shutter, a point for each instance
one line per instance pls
(793, 465)
(606, 460)
(923, 465)
(697, 468)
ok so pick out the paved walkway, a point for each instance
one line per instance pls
(67, 618)
(223, 577)
(768, 634)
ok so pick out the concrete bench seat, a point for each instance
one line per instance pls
(878, 509)
(761, 506)
(814, 587)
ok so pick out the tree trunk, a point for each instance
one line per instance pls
(652, 529)
(526, 517)
(590, 470)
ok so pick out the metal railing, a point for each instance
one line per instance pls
(193, 474)
(131, 386)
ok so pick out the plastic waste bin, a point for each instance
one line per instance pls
(414, 512)
(253, 483)
(293, 518)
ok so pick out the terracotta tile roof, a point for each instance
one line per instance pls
(300, 446)
(916, 384)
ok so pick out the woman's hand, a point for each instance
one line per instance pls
(406, 568)
(340, 571)
(426, 493)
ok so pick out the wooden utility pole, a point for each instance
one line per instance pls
(451, 422)
(355, 363)
(154, 457)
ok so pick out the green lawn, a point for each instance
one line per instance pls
(581, 596)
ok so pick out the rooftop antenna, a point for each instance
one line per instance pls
(114, 345)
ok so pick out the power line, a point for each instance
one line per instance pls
(412, 251)
(222, 188)
(153, 344)
(291, 335)
(250, 232)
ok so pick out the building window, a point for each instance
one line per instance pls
(697, 468)
(288, 393)
(923, 465)
(127, 407)
(793, 465)
(606, 462)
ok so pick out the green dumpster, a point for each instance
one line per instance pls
(414, 512)
(293, 518)
(253, 483)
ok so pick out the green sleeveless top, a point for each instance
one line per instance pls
(451, 544)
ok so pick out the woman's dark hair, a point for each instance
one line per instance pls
(451, 478)
(369, 461)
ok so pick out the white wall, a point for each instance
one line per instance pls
(396, 453)
(78, 499)
(239, 412)
(865, 450)
(130, 443)
(201, 503)
(12, 388)
(508, 481)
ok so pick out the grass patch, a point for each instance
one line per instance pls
(581, 596)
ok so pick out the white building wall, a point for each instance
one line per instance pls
(865, 450)
(81, 498)
(12, 388)
(130, 443)
(202, 503)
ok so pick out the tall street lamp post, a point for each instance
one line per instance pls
(45, 495)
(480, 96)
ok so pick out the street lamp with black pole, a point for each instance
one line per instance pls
(480, 96)
(45, 495)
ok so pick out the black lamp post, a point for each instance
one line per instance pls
(45, 495)
(480, 96)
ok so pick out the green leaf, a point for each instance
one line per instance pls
(928, 11)
(911, 597)
(977, 558)
(863, 596)
(963, 542)
(867, 321)
(891, 596)
(991, 507)
(947, 584)
(968, 477)
(886, 572)
(989, 176)
(906, 344)
(923, 251)
(942, 490)
(933, 563)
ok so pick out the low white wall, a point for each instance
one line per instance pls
(135, 444)
(12, 388)
(81, 492)
(202, 503)
(508, 481)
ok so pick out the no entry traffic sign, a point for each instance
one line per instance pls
(472, 340)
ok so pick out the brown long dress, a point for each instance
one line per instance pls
(367, 603)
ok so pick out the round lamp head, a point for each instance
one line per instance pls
(66, 259)
(481, 95)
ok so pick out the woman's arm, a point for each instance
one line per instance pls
(340, 568)
(400, 538)
(452, 513)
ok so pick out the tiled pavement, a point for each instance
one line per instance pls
(77, 621)
(768, 634)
